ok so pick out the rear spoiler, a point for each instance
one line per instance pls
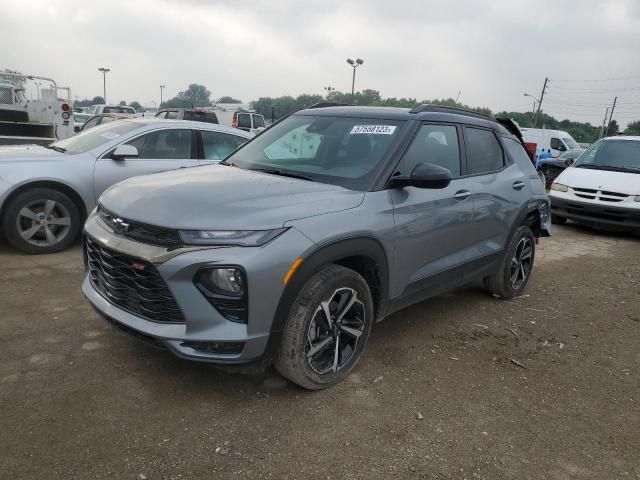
(512, 128)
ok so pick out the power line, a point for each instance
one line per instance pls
(597, 80)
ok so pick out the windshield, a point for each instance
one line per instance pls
(570, 142)
(337, 150)
(96, 136)
(623, 155)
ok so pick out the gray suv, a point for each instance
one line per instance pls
(332, 219)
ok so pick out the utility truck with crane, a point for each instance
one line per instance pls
(24, 120)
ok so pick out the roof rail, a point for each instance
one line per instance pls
(428, 107)
(326, 104)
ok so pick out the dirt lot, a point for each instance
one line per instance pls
(462, 386)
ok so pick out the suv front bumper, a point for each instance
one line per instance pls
(204, 328)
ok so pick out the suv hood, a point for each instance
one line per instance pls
(620, 182)
(27, 153)
(224, 197)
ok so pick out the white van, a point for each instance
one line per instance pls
(602, 188)
(557, 141)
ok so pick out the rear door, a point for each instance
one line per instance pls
(159, 150)
(216, 146)
(499, 190)
(431, 224)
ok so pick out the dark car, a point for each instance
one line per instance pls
(193, 114)
(100, 119)
(552, 167)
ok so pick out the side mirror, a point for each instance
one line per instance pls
(124, 151)
(424, 175)
(569, 161)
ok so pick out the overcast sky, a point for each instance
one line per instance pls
(492, 50)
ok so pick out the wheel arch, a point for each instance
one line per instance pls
(363, 254)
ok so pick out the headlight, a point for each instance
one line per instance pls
(241, 238)
(559, 187)
(223, 281)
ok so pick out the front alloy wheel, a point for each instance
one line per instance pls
(327, 328)
(334, 331)
(41, 220)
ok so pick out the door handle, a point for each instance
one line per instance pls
(518, 185)
(462, 194)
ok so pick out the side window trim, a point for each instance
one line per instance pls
(467, 169)
(106, 155)
(461, 149)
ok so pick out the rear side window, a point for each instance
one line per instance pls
(484, 153)
(435, 144)
(258, 121)
(244, 120)
(519, 155)
(172, 115)
(218, 146)
(210, 117)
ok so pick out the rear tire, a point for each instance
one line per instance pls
(516, 266)
(315, 353)
(41, 220)
(557, 220)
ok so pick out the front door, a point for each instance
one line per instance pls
(431, 244)
(158, 151)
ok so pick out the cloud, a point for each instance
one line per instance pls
(491, 51)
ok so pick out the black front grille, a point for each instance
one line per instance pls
(142, 232)
(131, 284)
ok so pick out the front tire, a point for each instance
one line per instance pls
(41, 220)
(516, 266)
(327, 329)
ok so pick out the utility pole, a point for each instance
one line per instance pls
(161, 89)
(544, 88)
(611, 116)
(604, 122)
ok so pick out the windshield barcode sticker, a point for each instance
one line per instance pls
(374, 129)
(110, 135)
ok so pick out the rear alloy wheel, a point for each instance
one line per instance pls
(327, 329)
(516, 266)
(41, 220)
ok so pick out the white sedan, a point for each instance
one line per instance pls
(47, 191)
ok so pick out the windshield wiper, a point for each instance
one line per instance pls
(282, 173)
(56, 148)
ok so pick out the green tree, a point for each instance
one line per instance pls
(198, 95)
(228, 99)
(633, 128)
(614, 128)
(135, 104)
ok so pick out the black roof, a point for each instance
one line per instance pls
(421, 112)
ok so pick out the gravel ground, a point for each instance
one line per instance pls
(461, 386)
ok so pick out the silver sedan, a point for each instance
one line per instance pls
(46, 192)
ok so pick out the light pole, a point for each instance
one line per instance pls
(355, 64)
(535, 100)
(329, 90)
(104, 83)
(38, 89)
(161, 89)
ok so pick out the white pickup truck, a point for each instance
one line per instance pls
(40, 121)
